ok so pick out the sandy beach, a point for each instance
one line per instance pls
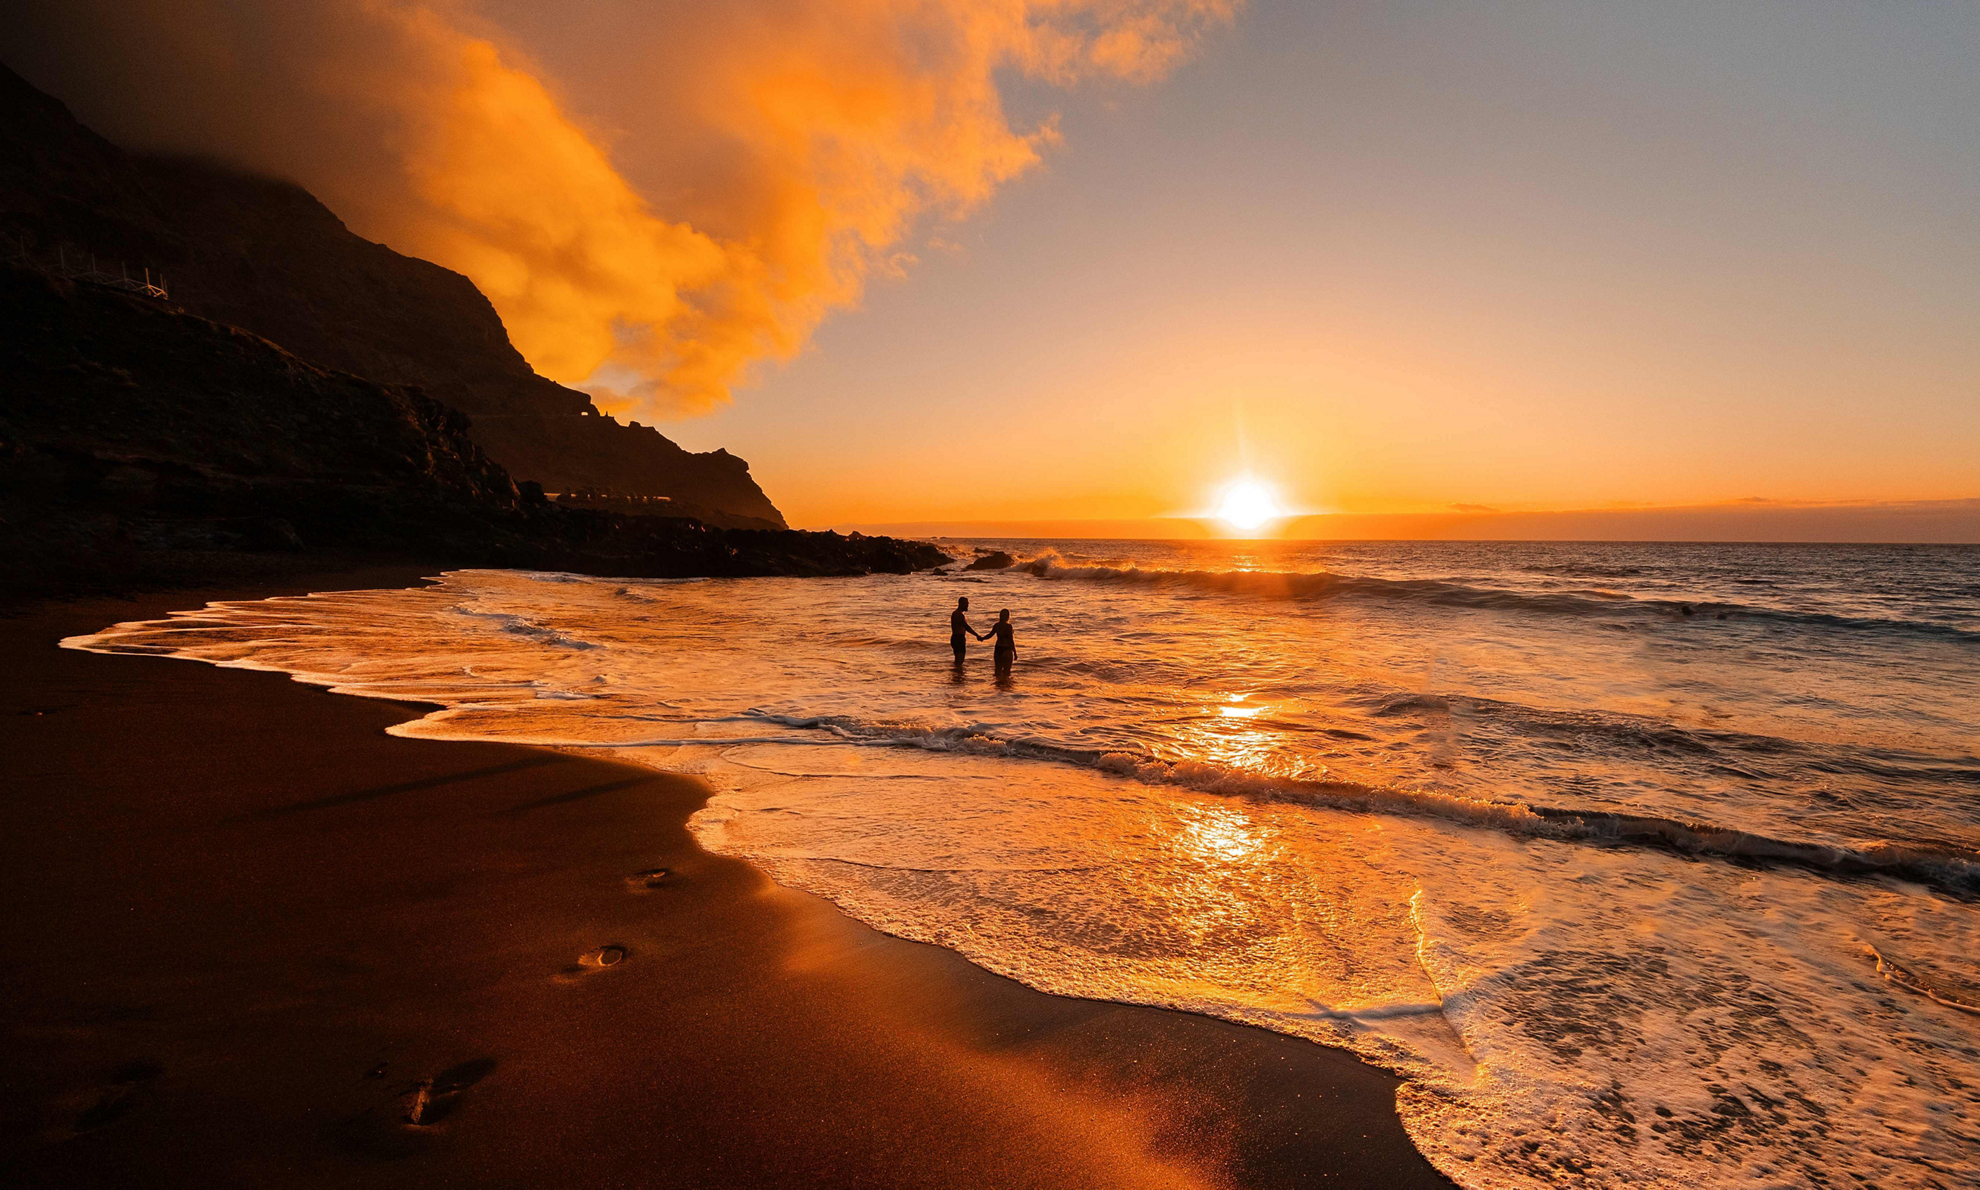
(246, 932)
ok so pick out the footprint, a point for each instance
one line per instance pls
(604, 956)
(422, 1101)
(651, 878)
(434, 1099)
(401, 1124)
(610, 955)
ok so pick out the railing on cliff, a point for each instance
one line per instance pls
(606, 501)
(69, 265)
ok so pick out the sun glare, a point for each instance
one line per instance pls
(1247, 504)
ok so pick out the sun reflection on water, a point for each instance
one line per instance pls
(1237, 736)
(1219, 834)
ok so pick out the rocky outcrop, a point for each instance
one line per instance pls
(661, 506)
(118, 403)
(134, 433)
(266, 256)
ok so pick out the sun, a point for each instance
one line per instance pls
(1247, 504)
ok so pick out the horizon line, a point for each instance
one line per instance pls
(1926, 522)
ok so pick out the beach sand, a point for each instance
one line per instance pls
(244, 931)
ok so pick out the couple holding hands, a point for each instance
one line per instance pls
(1005, 650)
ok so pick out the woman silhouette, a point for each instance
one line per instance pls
(1005, 650)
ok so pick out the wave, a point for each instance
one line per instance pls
(1584, 570)
(528, 629)
(1898, 975)
(1315, 585)
(1949, 868)
(1779, 755)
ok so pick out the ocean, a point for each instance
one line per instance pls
(1644, 864)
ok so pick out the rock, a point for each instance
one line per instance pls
(994, 560)
(134, 430)
(148, 442)
(265, 255)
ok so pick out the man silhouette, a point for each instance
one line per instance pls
(959, 624)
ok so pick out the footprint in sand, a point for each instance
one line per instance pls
(610, 955)
(433, 1099)
(402, 1122)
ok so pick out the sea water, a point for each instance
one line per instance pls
(1644, 864)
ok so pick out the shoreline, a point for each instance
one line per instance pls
(246, 924)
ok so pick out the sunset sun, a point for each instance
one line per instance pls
(1247, 504)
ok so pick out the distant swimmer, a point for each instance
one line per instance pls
(958, 625)
(1005, 650)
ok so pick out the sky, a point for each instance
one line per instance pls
(1078, 260)
(1397, 257)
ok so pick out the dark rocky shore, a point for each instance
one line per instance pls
(141, 445)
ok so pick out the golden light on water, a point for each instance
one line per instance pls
(1219, 835)
(1247, 504)
(1233, 707)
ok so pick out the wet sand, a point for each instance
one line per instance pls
(245, 931)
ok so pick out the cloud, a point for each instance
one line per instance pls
(787, 149)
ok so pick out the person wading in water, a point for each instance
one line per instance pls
(1005, 650)
(958, 625)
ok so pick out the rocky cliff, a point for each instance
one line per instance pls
(266, 256)
(137, 438)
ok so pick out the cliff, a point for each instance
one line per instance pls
(137, 438)
(266, 256)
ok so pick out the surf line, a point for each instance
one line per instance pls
(1899, 977)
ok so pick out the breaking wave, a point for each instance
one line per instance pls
(1951, 869)
(1319, 585)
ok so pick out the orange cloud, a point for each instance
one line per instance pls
(794, 147)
